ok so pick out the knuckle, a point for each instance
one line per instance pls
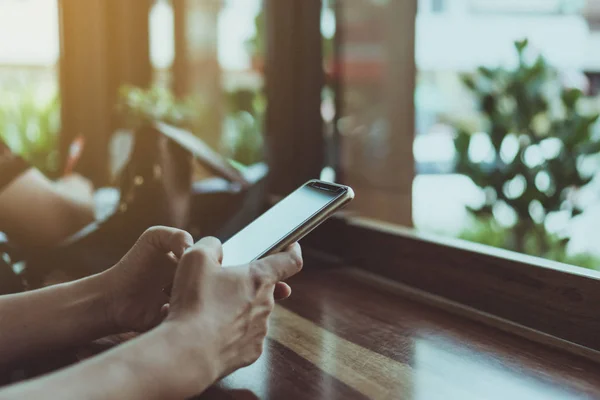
(264, 328)
(182, 237)
(151, 235)
(248, 306)
(152, 231)
(258, 275)
(270, 303)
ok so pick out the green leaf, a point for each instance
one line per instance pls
(461, 142)
(497, 135)
(520, 45)
(488, 104)
(486, 72)
(588, 148)
(570, 97)
(469, 82)
(485, 211)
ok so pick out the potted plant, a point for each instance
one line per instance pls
(538, 137)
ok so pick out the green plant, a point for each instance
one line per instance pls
(256, 46)
(242, 139)
(487, 231)
(30, 126)
(137, 106)
(538, 135)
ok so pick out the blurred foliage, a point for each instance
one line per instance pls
(242, 139)
(487, 231)
(538, 137)
(30, 125)
(137, 106)
(256, 45)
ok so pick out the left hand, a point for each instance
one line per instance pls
(134, 289)
(135, 297)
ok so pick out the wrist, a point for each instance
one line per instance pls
(98, 294)
(192, 351)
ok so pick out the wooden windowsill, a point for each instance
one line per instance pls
(554, 299)
(346, 333)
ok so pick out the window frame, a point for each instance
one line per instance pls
(542, 300)
(387, 196)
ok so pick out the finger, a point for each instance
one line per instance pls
(281, 266)
(211, 246)
(168, 240)
(207, 252)
(164, 311)
(296, 249)
(160, 248)
(282, 291)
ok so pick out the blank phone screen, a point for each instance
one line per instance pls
(266, 231)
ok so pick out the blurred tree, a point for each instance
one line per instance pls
(537, 138)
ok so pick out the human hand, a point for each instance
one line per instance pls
(135, 286)
(227, 307)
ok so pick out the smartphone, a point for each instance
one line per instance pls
(286, 222)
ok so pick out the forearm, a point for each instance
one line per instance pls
(53, 219)
(153, 366)
(52, 318)
(36, 211)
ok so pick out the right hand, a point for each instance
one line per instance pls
(227, 309)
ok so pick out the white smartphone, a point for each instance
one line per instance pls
(286, 222)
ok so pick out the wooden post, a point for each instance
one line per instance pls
(104, 44)
(294, 80)
(86, 107)
(129, 42)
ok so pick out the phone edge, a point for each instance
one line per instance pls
(315, 221)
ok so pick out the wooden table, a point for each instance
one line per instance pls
(348, 334)
(464, 324)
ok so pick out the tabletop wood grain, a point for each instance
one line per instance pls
(345, 335)
(349, 334)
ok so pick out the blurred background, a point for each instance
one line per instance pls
(475, 119)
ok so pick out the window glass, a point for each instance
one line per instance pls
(223, 75)
(510, 139)
(506, 138)
(29, 104)
(162, 42)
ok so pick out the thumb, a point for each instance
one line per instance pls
(167, 240)
(158, 251)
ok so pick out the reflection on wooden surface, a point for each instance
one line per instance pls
(343, 335)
